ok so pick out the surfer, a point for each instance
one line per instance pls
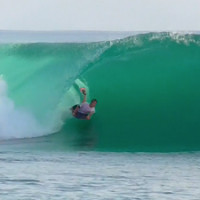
(85, 110)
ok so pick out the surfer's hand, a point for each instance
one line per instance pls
(84, 92)
(88, 117)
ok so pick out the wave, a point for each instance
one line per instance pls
(146, 85)
(15, 122)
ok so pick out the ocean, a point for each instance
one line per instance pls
(143, 141)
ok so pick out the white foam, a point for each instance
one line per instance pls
(15, 122)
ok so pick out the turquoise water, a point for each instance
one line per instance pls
(142, 143)
(147, 86)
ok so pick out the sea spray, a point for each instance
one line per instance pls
(16, 122)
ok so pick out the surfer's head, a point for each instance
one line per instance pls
(93, 103)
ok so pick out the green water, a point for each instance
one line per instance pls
(147, 88)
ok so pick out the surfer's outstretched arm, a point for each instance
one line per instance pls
(84, 96)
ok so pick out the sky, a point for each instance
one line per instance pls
(100, 15)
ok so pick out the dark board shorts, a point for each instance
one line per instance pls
(78, 114)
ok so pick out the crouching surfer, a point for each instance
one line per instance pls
(85, 110)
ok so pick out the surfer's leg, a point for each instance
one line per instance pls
(75, 109)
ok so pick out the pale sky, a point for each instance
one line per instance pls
(105, 15)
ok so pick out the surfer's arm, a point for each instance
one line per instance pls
(89, 116)
(84, 98)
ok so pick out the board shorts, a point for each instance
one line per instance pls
(78, 114)
(81, 115)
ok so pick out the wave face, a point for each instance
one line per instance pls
(147, 87)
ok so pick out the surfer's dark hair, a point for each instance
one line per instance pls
(93, 100)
